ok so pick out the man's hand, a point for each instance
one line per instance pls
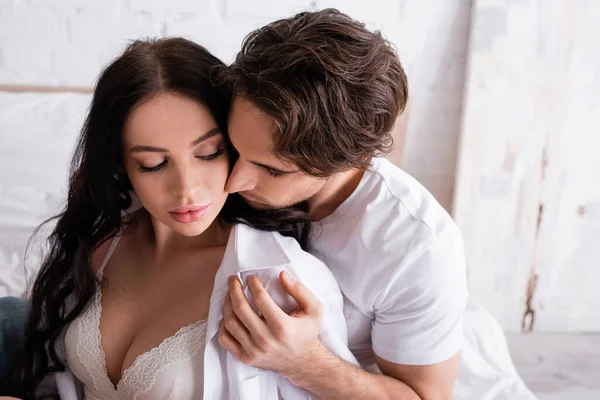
(289, 345)
(274, 341)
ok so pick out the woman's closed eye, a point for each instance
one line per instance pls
(212, 156)
(157, 167)
(209, 157)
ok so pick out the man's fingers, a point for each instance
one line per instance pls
(232, 325)
(229, 343)
(238, 331)
(228, 308)
(309, 303)
(242, 309)
(263, 301)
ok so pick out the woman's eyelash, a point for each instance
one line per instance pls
(152, 169)
(209, 157)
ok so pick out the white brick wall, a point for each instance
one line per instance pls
(65, 43)
(37, 136)
(38, 38)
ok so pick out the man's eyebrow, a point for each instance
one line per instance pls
(272, 169)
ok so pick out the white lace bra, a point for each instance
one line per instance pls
(172, 370)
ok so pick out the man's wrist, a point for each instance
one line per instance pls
(313, 363)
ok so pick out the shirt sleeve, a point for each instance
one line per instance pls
(334, 334)
(419, 313)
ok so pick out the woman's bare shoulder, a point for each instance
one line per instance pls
(130, 229)
(100, 253)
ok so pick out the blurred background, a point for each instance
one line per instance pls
(503, 127)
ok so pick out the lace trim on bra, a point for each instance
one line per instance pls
(183, 346)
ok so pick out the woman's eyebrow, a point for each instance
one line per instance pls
(142, 149)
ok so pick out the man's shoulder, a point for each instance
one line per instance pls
(397, 201)
(396, 238)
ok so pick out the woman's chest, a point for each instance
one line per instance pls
(140, 310)
(172, 369)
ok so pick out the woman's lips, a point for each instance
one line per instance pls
(188, 214)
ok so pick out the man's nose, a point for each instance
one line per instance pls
(242, 178)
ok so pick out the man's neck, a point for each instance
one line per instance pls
(335, 191)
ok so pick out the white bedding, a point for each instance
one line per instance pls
(487, 371)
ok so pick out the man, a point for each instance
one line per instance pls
(316, 96)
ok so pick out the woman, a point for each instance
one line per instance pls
(129, 298)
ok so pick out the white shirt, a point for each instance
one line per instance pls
(399, 260)
(264, 254)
